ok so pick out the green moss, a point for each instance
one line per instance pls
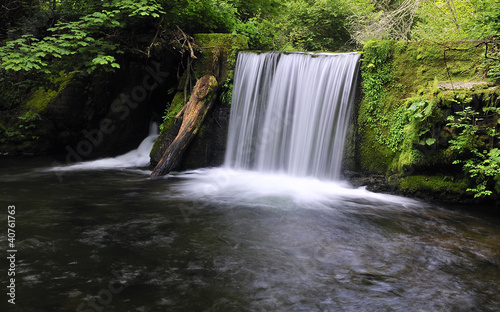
(444, 60)
(434, 184)
(396, 75)
(40, 100)
(229, 43)
(166, 127)
(173, 109)
(374, 156)
(42, 97)
(218, 54)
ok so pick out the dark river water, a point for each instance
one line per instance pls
(224, 240)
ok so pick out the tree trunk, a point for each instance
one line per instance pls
(201, 100)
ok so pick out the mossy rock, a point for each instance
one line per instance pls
(217, 56)
(44, 96)
(405, 70)
(28, 129)
(406, 99)
(442, 188)
(374, 157)
(169, 128)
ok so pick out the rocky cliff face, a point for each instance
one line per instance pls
(82, 118)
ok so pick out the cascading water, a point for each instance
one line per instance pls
(290, 112)
(135, 158)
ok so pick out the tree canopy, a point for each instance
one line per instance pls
(91, 35)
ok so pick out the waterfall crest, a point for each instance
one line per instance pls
(290, 111)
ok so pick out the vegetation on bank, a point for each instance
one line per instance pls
(431, 109)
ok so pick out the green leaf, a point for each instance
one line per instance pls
(430, 141)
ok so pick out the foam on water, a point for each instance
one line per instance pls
(242, 186)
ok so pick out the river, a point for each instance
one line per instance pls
(112, 239)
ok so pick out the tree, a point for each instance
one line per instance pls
(424, 19)
(89, 41)
(382, 19)
(445, 20)
(317, 25)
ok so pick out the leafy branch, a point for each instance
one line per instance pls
(89, 41)
(482, 163)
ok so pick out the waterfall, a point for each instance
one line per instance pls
(138, 157)
(290, 111)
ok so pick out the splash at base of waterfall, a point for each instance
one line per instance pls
(257, 188)
(136, 158)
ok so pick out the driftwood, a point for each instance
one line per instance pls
(194, 112)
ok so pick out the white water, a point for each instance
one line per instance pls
(242, 187)
(290, 113)
(288, 123)
(133, 159)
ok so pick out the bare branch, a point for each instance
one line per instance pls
(395, 24)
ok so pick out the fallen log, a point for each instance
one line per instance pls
(194, 113)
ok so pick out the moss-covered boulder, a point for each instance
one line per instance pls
(409, 90)
(30, 128)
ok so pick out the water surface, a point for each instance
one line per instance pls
(227, 240)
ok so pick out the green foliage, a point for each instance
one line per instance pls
(227, 91)
(24, 125)
(444, 20)
(491, 64)
(423, 19)
(481, 162)
(457, 20)
(377, 72)
(264, 34)
(171, 111)
(142, 8)
(419, 126)
(317, 25)
(15, 91)
(195, 16)
(84, 42)
(27, 120)
(265, 9)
